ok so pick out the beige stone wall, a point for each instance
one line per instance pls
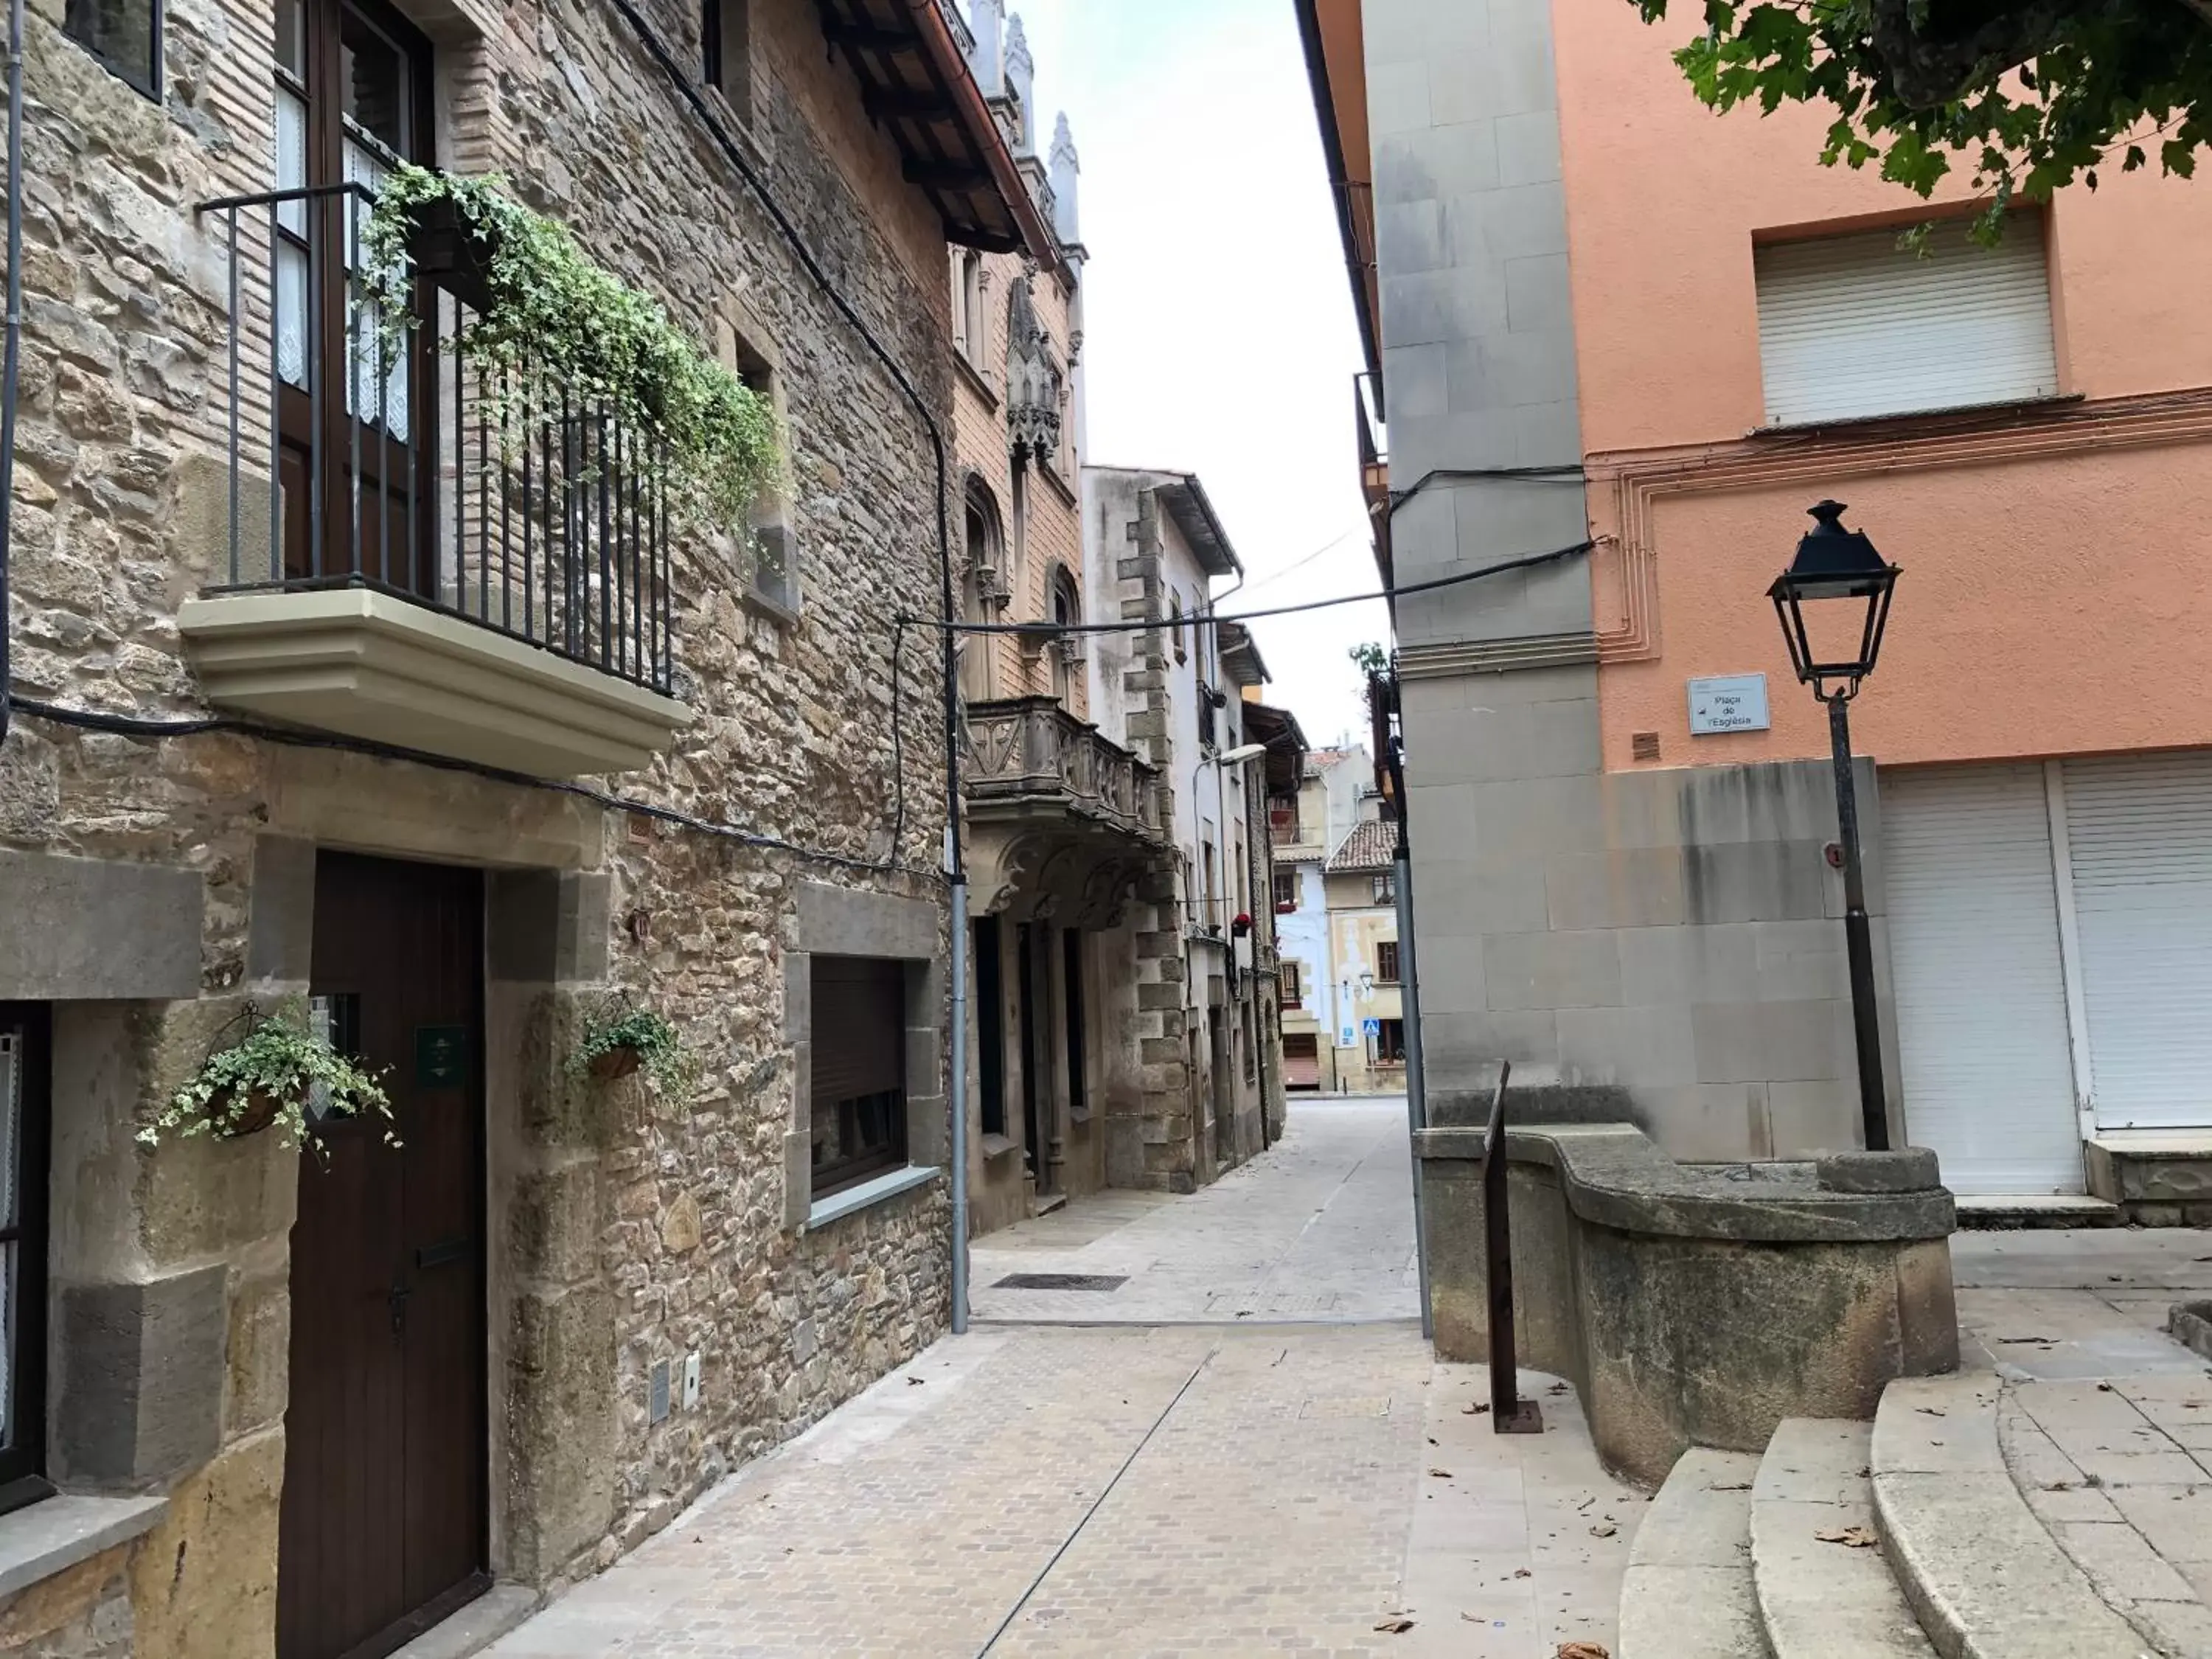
(624, 1230)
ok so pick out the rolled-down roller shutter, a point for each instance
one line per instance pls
(858, 1045)
(1981, 993)
(2141, 833)
(1301, 1060)
(1852, 326)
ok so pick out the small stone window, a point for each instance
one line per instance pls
(124, 35)
(771, 558)
(1287, 891)
(726, 53)
(858, 1105)
(24, 1071)
(1386, 962)
(1386, 888)
(1293, 991)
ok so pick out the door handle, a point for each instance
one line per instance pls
(396, 1300)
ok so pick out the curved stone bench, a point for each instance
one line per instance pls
(1691, 1307)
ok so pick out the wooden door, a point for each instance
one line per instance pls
(383, 1528)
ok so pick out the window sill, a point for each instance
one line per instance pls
(1920, 416)
(888, 1185)
(998, 1146)
(43, 1538)
(977, 382)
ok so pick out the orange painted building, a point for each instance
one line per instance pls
(1597, 312)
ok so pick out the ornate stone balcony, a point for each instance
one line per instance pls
(1027, 757)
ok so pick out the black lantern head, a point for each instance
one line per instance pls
(1833, 563)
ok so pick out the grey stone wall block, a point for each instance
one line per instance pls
(1642, 1046)
(1457, 1046)
(1537, 297)
(852, 921)
(1709, 1123)
(1807, 1118)
(142, 1379)
(1484, 228)
(1528, 147)
(1755, 881)
(1636, 887)
(1397, 97)
(280, 928)
(1410, 31)
(1689, 965)
(548, 926)
(1800, 960)
(1770, 1042)
(1452, 977)
(88, 929)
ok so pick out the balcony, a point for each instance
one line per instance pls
(1061, 821)
(418, 555)
(1028, 757)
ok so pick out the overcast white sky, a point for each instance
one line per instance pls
(1219, 333)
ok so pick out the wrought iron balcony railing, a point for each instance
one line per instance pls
(394, 464)
(1030, 751)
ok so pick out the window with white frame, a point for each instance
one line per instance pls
(1852, 327)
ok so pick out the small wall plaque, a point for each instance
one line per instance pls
(442, 1056)
(1728, 702)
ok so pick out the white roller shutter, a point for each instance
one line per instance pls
(2141, 829)
(1851, 325)
(1981, 997)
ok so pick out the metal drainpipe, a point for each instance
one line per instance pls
(9, 370)
(1409, 998)
(958, 1087)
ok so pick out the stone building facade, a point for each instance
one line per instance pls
(351, 801)
(1155, 547)
(1304, 830)
(1060, 822)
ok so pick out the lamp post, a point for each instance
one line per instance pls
(1839, 569)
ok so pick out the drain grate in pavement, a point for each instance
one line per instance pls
(1061, 1282)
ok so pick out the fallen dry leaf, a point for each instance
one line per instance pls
(1729, 1486)
(915, 1381)
(1394, 1627)
(1853, 1538)
(1581, 1651)
(1603, 1532)
(1441, 1474)
(1521, 1572)
(1473, 1411)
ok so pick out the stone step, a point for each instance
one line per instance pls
(1821, 1598)
(2006, 1214)
(1984, 1577)
(1688, 1593)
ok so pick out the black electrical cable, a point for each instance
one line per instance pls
(134, 725)
(1562, 474)
(1051, 630)
(736, 157)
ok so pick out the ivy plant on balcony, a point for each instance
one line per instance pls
(271, 1077)
(546, 321)
(621, 1037)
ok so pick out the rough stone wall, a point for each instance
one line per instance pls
(82, 1612)
(678, 1242)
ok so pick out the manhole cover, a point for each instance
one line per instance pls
(1061, 1282)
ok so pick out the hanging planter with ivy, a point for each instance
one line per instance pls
(279, 1075)
(621, 1037)
(544, 323)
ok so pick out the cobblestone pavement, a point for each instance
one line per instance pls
(1185, 1483)
(2105, 1421)
(1319, 1230)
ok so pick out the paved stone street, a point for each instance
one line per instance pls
(1245, 1448)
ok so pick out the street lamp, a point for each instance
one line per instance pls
(1839, 570)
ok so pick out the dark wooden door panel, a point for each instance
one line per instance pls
(384, 1499)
